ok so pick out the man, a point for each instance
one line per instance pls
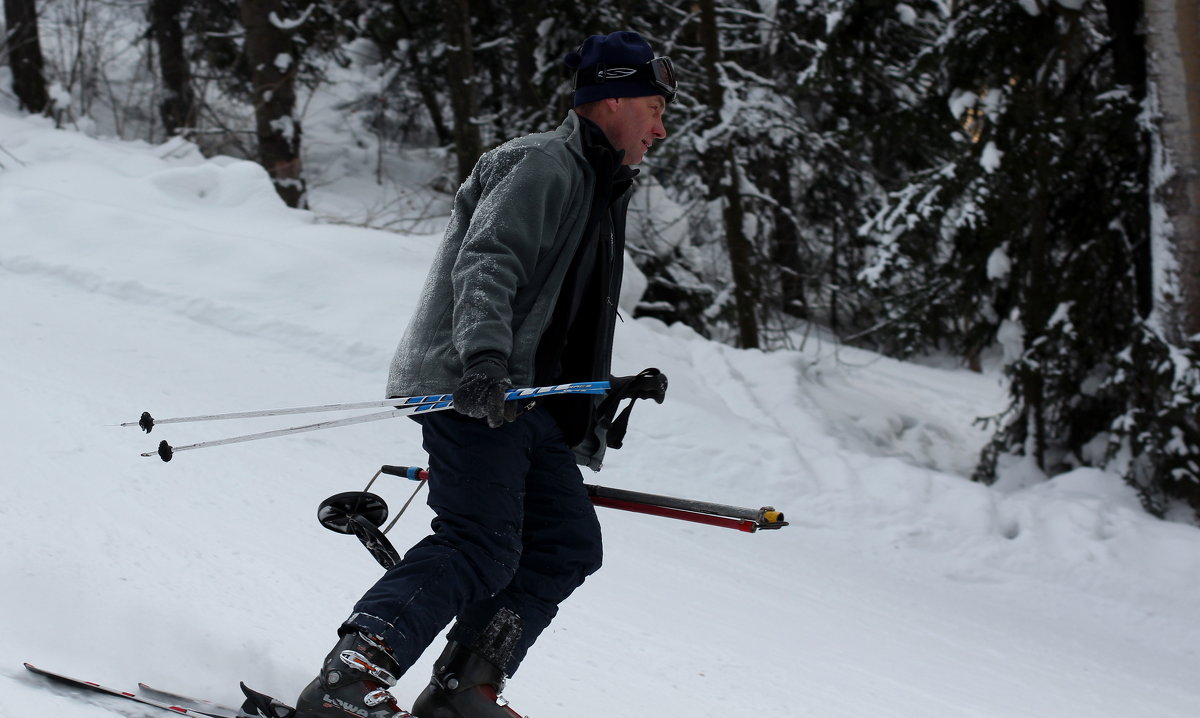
(523, 292)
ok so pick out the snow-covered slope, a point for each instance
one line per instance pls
(140, 278)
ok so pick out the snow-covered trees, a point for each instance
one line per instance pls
(960, 176)
(1037, 222)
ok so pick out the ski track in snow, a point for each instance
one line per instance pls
(227, 317)
(147, 278)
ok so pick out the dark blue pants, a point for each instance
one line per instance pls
(514, 530)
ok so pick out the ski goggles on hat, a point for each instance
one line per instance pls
(659, 73)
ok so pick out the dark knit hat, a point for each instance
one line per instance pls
(624, 50)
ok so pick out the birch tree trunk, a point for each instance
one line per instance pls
(1173, 38)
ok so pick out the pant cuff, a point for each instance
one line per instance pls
(392, 637)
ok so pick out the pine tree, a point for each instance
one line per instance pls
(1036, 233)
(874, 123)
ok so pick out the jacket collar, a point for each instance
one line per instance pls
(592, 146)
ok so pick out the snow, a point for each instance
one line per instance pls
(140, 277)
(1033, 7)
(286, 127)
(989, 159)
(961, 101)
(1011, 338)
(290, 24)
(999, 264)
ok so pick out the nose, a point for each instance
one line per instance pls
(659, 130)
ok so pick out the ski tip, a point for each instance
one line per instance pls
(34, 669)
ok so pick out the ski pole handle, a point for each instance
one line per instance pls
(412, 473)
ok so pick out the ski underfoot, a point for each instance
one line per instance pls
(172, 706)
(184, 700)
(257, 705)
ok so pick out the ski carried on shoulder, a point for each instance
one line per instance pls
(256, 705)
(98, 688)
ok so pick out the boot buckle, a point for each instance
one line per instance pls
(377, 697)
(359, 662)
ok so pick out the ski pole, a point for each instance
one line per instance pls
(407, 405)
(363, 514)
(701, 512)
(166, 452)
(147, 422)
(412, 473)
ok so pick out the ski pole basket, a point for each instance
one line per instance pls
(362, 514)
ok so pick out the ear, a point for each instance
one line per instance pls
(612, 103)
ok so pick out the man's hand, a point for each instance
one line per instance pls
(481, 391)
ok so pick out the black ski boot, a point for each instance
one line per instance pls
(464, 685)
(353, 682)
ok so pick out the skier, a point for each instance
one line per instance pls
(523, 291)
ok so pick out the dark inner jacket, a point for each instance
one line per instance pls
(576, 344)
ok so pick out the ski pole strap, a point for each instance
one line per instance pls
(646, 384)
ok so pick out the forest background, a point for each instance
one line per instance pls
(1012, 181)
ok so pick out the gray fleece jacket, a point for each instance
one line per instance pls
(517, 222)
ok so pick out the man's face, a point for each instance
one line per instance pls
(634, 123)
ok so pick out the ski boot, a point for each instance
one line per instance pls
(354, 681)
(464, 685)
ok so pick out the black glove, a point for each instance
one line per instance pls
(481, 391)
